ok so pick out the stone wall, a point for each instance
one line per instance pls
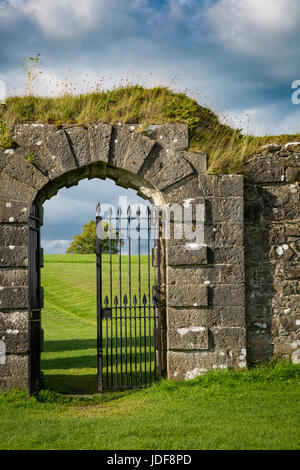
(272, 253)
(251, 239)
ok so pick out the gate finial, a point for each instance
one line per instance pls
(98, 210)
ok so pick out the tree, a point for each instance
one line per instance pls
(85, 243)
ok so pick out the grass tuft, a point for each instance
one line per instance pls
(227, 148)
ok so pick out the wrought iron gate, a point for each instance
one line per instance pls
(35, 297)
(128, 304)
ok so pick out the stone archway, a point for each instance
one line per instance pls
(202, 287)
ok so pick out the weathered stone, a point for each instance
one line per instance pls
(42, 160)
(198, 160)
(188, 338)
(139, 149)
(225, 209)
(181, 316)
(13, 277)
(14, 256)
(13, 321)
(13, 190)
(4, 159)
(13, 211)
(268, 169)
(15, 341)
(192, 275)
(230, 295)
(225, 338)
(182, 255)
(231, 186)
(24, 171)
(209, 185)
(99, 138)
(188, 365)
(120, 144)
(188, 295)
(228, 255)
(27, 134)
(292, 175)
(79, 144)
(171, 136)
(58, 147)
(172, 173)
(13, 235)
(16, 366)
(14, 297)
(160, 157)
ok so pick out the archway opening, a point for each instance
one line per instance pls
(69, 316)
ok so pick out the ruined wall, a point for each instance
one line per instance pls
(233, 299)
(272, 254)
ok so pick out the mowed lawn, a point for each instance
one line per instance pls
(69, 318)
(255, 409)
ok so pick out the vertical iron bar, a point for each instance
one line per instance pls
(158, 295)
(120, 281)
(149, 299)
(99, 302)
(116, 338)
(111, 296)
(145, 340)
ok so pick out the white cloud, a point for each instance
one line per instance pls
(55, 246)
(254, 26)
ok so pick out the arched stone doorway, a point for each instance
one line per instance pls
(202, 286)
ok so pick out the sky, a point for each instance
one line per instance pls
(240, 57)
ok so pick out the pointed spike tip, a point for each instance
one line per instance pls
(138, 211)
(144, 299)
(116, 300)
(98, 210)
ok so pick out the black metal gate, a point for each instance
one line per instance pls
(35, 297)
(128, 301)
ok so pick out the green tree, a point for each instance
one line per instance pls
(85, 243)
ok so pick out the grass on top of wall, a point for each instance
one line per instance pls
(227, 148)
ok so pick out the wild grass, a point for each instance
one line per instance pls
(254, 409)
(227, 148)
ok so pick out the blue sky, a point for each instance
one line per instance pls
(238, 56)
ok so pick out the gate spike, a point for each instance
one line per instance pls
(119, 213)
(116, 300)
(106, 301)
(125, 300)
(148, 211)
(138, 211)
(98, 210)
(129, 211)
(144, 299)
(134, 300)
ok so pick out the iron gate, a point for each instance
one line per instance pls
(35, 297)
(128, 301)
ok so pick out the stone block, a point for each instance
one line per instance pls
(229, 295)
(13, 277)
(13, 321)
(120, 145)
(188, 295)
(189, 365)
(191, 316)
(267, 169)
(181, 255)
(229, 337)
(14, 298)
(170, 136)
(224, 234)
(160, 157)
(99, 138)
(79, 144)
(188, 338)
(193, 275)
(43, 161)
(209, 185)
(22, 170)
(16, 367)
(13, 211)
(27, 134)
(13, 235)
(198, 160)
(172, 173)
(13, 190)
(225, 209)
(16, 341)
(292, 175)
(138, 151)
(14, 256)
(58, 147)
(228, 255)
(231, 186)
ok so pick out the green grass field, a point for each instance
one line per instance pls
(69, 321)
(254, 409)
